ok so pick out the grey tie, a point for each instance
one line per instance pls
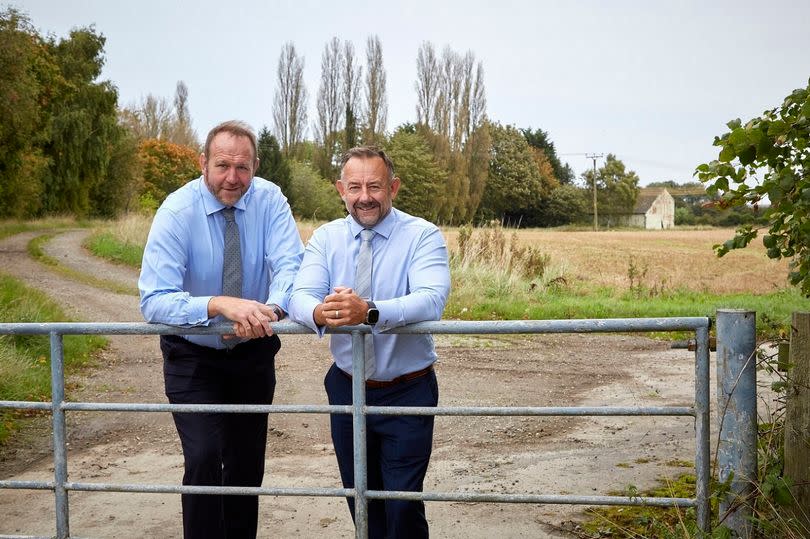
(232, 257)
(231, 264)
(362, 287)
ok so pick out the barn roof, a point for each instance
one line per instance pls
(646, 198)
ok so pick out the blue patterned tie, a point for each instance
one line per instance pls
(362, 287)
(231, 263)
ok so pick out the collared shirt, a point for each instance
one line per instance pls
(410, 282)
(182, 260)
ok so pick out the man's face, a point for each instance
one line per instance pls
(229, 167)
(366, 191)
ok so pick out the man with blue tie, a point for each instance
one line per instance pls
(223, 247)
(385, 268)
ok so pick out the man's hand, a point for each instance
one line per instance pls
(343, 308)
(251, 319)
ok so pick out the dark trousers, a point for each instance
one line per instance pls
(398, 451)
(220, 448)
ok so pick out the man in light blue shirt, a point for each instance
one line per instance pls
(184, 279)
(409, 282)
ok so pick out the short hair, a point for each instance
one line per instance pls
(367, 152)
(236, 128)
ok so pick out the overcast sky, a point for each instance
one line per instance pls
(650, 81)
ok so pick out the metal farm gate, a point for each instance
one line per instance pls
(61, 485)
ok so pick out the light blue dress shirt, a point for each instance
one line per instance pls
(410, 283)
(182, 260)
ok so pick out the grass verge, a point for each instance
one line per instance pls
(36, 251)
(25, 359)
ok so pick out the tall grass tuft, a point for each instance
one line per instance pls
(121, 241)
(25, 359)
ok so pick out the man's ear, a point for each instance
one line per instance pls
(341, 189)
(202, 162)
(395, 183)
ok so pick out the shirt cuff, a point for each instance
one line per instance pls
(198, 310)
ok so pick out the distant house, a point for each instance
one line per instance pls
(655, 209)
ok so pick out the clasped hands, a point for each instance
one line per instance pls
(251, 319)
(343, 308)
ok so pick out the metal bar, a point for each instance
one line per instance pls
(359, 435)
(530, 498)
(737, 406)
(702, 423)
(208, 489)
(386, 410)
(533, 411)
(196, 408)
(28, 485)
(26, 405)
(59, 436)
(606, 325)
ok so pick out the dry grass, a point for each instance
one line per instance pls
(672, 259)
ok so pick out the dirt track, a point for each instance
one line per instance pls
(588, 456)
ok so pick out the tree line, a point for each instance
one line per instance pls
(68, 146)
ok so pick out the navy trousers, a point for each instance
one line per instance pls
(398, 451)
(220, 448)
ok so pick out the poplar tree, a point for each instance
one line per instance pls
(290, 101)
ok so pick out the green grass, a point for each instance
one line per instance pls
(484, 299)
(641, 521)
(106, 245)
(36, 251)
(25, 359)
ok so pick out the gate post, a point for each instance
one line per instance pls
(60, 470)
(737, 408)
(797, 419)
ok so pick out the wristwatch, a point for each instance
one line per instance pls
(278, 311)
(372, 315)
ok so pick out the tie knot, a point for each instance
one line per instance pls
(366, 234)
(228, 213)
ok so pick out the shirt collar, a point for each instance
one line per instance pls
(212, 205)
(384, 228)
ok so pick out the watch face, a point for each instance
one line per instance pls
(372, 316)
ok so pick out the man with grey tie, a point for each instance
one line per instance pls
(223, 247)
(385, 268)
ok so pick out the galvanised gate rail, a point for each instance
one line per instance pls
(61, 486)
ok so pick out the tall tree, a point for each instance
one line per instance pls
(182, 130)
(514, 187)
(422, 179)
(84, 124)
(427, 82)
(352, 76)
(616, 187)
(272, 164)
(27, 80)
(330, 105)
(539, 139)
(290, 101)
(376, 98)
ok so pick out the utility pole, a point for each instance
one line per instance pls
(595, 215)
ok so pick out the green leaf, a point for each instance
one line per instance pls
(727, 154)
(774, 252)
(734, 124)
(769, 241)
(747, 155)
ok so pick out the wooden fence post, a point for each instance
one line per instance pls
(797, 418)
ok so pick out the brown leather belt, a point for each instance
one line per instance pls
(379, 384)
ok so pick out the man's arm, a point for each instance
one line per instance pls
(312, 284)
(165, 259)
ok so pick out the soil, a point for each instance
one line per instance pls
(539, 455)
